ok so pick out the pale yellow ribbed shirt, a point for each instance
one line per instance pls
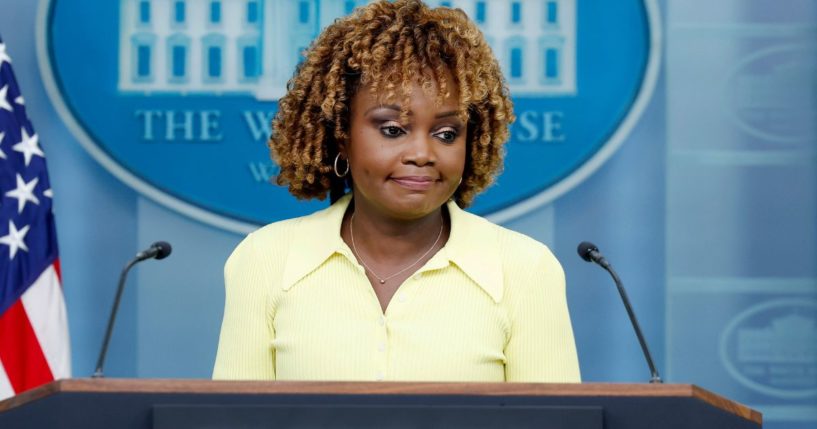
(489, 306)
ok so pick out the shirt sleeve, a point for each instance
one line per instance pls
(541, 347)
(245, 349)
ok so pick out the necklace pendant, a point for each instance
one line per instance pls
(382, 281)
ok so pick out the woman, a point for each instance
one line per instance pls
(406, 107)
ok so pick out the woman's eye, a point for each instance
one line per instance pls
(447, 135)
(391, 131)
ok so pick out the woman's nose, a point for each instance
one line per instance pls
(420, 150)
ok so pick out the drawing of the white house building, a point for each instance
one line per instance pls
(253, 46)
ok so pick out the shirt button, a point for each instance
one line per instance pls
(379, 376)
(381, 321)
(401, 298)
(381, 347)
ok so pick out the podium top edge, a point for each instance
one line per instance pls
(200, 386)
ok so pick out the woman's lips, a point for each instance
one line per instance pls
(417, 183)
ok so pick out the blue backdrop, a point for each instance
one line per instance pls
(708, 210)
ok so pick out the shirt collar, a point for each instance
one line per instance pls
(471, 246)
(317, 237)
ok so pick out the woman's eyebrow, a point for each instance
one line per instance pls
(446, 114)
(394, 107)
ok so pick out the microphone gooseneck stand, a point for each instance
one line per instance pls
(157, 250)
(122, 277)
(590, 253)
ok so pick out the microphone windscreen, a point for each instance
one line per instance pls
(163, 249)
(585, 248)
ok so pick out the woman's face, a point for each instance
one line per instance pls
(405, 170)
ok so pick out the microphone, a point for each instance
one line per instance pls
(590, 253)
(157, 250)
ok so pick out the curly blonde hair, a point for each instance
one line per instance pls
(387, 46)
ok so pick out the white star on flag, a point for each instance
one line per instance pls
(3, 55)
(28, 146)
(19, 100)
(24, 193)
(2, 154)
(48, 193)
(15, 239)
(4, 103)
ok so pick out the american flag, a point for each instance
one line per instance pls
(34, 346)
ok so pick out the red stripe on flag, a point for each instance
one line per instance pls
(58, 269)
(20, 351)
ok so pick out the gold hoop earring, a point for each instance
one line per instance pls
(335, 169)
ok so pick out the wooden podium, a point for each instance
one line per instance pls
(183, 404)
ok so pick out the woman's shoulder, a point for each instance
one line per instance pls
(273, 240)
(279, 231)
(508, 243)
(269, 241)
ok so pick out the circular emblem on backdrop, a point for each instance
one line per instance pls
(770, 348)
(759, 106)
(175, 97)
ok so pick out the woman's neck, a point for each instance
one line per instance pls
(386, 239)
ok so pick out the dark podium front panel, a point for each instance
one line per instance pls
(374, 416)
(199, 404)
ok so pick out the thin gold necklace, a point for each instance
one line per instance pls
(383, 280)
